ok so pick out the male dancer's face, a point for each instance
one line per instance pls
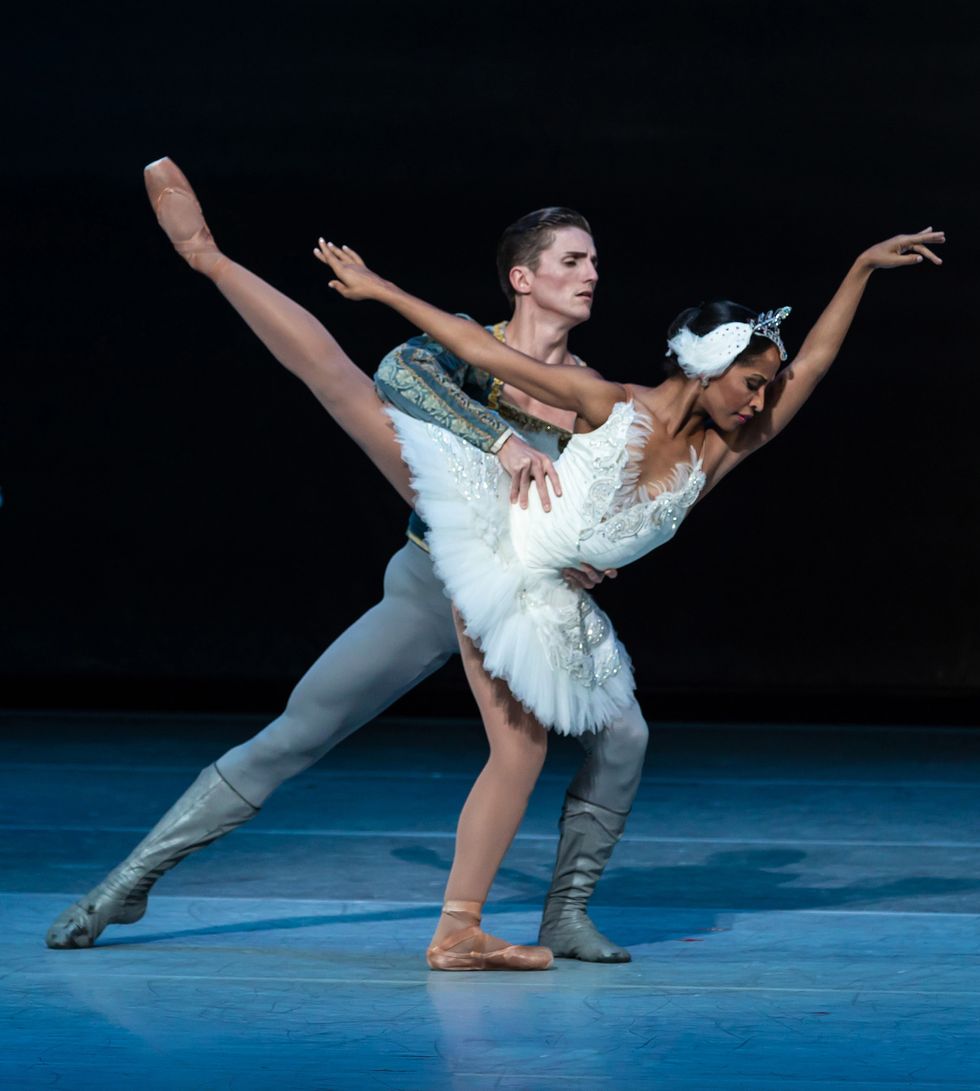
(564, 281)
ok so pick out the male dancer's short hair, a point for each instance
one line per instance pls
(524, 241)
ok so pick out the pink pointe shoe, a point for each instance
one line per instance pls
(179, 214)
(463, 950)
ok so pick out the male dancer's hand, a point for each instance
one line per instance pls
(526, 464)
(585, 577)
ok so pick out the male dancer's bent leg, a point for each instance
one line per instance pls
(597, 805)
(401, 640)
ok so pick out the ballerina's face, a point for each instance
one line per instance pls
(734, 398)
(565, 276)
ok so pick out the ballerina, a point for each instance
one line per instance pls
(640, 458)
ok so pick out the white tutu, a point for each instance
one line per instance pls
(501, 564)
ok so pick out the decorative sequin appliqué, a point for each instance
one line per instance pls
(617, 507)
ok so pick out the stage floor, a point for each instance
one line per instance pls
(802, 905)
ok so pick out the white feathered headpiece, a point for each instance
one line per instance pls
(709, 356)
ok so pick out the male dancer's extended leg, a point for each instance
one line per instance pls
(396, 644)
(385, 653)
(487, 825)
(597, 805)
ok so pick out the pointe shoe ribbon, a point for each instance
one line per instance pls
(179, 213)
(448, 956)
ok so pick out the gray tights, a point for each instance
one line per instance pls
(403, 639)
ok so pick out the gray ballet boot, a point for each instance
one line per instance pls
(208, 809)
(588, 836)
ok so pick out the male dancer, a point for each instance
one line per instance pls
(547, 268)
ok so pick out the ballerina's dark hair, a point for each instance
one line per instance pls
(524, 241)
(706, 317)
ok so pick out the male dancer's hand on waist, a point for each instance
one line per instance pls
(585, 577)
(526, 464)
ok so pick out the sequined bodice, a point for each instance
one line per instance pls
(605, 517)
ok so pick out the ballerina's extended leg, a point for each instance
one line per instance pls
(297, 340)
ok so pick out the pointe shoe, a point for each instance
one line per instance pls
(462, 950)
(179, 214)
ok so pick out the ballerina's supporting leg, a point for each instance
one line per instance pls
(294, 337)
(487, 825)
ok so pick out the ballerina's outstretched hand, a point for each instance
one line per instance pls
(904, 250)
(354, 279)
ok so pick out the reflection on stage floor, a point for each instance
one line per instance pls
(802, 907)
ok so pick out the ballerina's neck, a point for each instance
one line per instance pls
(666, 453)
(673, 417)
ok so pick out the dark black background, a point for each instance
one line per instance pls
(182, 525)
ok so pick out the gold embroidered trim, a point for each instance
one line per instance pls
(493, 398)
(497, 386)
(524, 422)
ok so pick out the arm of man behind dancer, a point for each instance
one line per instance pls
(424, 379)
(579, 389)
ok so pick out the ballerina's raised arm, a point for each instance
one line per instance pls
(792, 387)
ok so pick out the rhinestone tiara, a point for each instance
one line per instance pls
(767, 325)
